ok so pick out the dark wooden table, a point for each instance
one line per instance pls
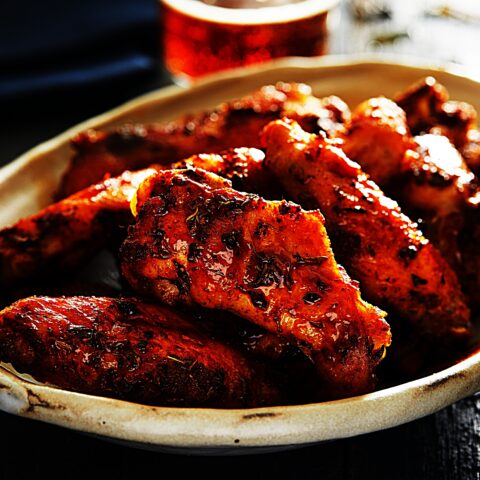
(442, 446)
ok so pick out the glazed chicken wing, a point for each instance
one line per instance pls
(233, 124)
(377, 137)
(71, 231)
(421, 101)
(67, 233)
(129, 349)
(426, 174)
(436, 186)
(429, 110)
(196, 242)
(397, 267)
(243, 166)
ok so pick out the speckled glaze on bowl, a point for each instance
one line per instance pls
(26, 185)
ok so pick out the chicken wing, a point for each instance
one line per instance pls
(129, 349)
(421, 101)
(243, 166)
(377, 137)
(426, 174)
(397, 267)
(233, 124)
(436, 186)
(67, 233)
(267, 261)
(429, 110)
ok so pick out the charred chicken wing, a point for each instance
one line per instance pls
(436, 186)
(429, 110)
(243, 166)
(397, 267)
(128, 349)
(377, 137)
(269, 262)
(421, 102)
(66, 233)
(426, 174)
(233, 124)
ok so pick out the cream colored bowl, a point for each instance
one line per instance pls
(26, 186)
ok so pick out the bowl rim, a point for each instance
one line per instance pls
(236, 428)
(249, 17)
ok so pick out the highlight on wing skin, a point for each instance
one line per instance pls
(243, 166)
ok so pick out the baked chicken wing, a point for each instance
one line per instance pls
(234, 124)
(377, 137)
(243, 166)
(421, 102)
(129, 349)
(196, 242)
(429, 110)
(436, 185)
(67, 233)
(425, 173)
(396, 265)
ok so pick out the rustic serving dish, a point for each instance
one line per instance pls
(26, 185)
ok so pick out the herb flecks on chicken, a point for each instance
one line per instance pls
(243, 166)
(232, 124)
(425, 173)
(269, 262)
(396, 265)
(67, 233)
(128, 349)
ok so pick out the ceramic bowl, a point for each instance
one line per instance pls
(27, 184)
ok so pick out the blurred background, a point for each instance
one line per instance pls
(63, 61)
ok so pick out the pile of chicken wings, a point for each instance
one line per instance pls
(261, 246)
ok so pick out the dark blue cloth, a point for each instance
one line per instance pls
(48, 47)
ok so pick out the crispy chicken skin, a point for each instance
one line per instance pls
(128, 349)
(436, 185)
(243, 166)
(429, 109)
(233, 124)
(198, 242)
(67, 233)
(421, 101)
(377, 138)
(425, 173)
(443, 182)
(71, 231)
(397, 267)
